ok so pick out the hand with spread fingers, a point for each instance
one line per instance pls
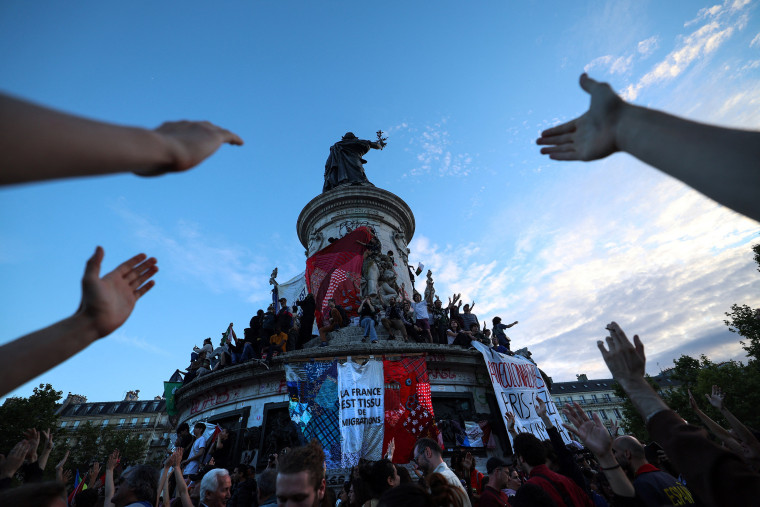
(590, 136)
(591, 432)
(109, 301)
(626, 361)
(716, 398)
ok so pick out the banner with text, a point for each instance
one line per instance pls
(361, 392)
(517, 383)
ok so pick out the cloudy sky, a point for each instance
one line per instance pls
(462, 91)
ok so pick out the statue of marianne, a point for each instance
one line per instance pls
(345, 163)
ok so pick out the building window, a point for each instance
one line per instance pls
(583, 399)
(63, 424)
(617, 413)
(607, 397)
(76, 424)
(603, 414)
(134, 421)
(146, 421)
(105, 423)
(121, 422)
(593, 397)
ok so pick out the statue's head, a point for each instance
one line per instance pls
(349, 135)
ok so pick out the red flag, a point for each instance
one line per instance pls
(336, 272)
(408, 409)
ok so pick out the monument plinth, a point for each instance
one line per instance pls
(334, 213)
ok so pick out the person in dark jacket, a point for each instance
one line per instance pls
(244, 490)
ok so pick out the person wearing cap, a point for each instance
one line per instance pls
(498, 477)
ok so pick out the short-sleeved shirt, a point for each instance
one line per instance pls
(193, 466)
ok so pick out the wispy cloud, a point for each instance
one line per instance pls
(648, 46)
(715, 25)
(652, 266)
(611, 64)
(435, 155)
(755, 42)
(190, 252)
(140, 344)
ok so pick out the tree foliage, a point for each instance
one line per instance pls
(89, 443)
(37, 411)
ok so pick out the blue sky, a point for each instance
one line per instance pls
(462, 91)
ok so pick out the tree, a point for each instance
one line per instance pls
(745, 321)
(89, 443)
(37, 411)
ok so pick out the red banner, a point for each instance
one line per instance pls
(336, 272)
(408, 409)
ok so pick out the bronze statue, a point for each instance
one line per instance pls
(345, 163)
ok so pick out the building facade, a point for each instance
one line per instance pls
(145, 418)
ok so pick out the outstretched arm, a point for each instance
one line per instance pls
(37, 143)
(717, 400)
(106, 303)
(721, 163)
(597, 439)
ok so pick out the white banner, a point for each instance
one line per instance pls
(293, 290)
(362, 412)
(517, 383)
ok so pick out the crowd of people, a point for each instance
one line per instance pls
(684, 467)
(273, 333)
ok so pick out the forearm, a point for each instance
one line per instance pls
(619, 482)
(719, 162)
(163, 484)
(21, 360)
(37, 143)
(108, 489)
(182, 488)
(43, 459)
(741, 431)
(646, 401)
(715, 428)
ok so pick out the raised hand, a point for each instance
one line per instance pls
(540, 407)
(591, 136)
(626, 361)
(113, 460)
(190, 143)
(717, 397)
(63, 461)
(591, 432)
(108, 301)
(11, 463)
(391, 448)
(614, 429)
(510, 422)
(467, 461)
(33, 437)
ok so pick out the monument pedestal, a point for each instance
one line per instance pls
(339, 211)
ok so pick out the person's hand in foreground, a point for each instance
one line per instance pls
(721, 163)
(591, 136)
(597, 439)
(626, 361)
(38, 143)
(106, 303)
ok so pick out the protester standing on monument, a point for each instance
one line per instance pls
(394, 320)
